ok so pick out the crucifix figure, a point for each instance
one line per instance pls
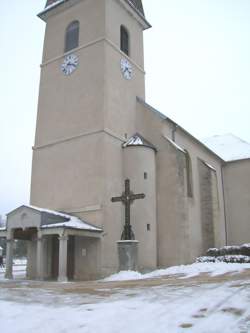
(127, 199)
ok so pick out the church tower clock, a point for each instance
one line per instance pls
(91, 73)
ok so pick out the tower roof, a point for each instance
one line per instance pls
(138, 140)
(137, 4)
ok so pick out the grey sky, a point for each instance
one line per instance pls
(197, 59)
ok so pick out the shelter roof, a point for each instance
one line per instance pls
(64, 220)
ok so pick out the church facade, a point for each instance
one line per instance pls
(94, 131)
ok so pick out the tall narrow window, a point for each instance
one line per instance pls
(189, 175)
(72, 36)
(124, 40)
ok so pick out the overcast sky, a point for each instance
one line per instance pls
(197, 59)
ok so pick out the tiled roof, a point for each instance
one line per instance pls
(137, 4)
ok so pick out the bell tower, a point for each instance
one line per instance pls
(91, 73)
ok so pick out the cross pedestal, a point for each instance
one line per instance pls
(128, 255)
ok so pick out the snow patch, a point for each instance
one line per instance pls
(185, 271)
(175, 145)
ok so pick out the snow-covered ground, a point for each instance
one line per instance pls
(169, 304)
(19, 269)
(186, 271)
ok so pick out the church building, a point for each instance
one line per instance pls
(101, 151)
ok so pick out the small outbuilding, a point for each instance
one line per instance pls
(59, 246)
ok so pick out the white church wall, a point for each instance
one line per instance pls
(87, 12)
(67, 103)
(198, 152)
(237, 195)
(87, 258)
(154, 127)
(113, 213)
(120, 94)
(65, 170)
(173, 233)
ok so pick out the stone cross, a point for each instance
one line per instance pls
(127, 199)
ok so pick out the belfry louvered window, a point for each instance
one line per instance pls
(124, 40)
(72, 36)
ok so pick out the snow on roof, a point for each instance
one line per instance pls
(175, 144)
(229, 147)
(50, 6)
(72, 223)
(138, 140)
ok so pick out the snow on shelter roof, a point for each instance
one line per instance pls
(229, 147)
(71, 222)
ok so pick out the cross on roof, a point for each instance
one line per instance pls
(127, 199)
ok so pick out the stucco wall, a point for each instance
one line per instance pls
(237, 195)
(206, 206)
(179, 216)
(87, 258)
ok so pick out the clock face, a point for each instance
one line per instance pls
(69, 64)
(126, 69)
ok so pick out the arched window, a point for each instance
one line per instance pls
(189, 174)
(72, 36)
(124, 40)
